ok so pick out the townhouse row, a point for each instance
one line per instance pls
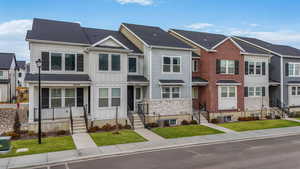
(167, 75)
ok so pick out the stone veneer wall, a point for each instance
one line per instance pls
(48, 126)
(170, 107)
(7, 118)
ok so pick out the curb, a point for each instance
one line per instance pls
(160, 148)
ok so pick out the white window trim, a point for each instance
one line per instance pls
(254, 91)
(63, 94)
(171, 65)
(171, 92)
(227, 67)
(109, 63)
(255, 64)
(228, 92)
(296, 94)
(197, 93)
(63, 61)
(195, 68)
(137, 65)
(294, 70)
(109, 97)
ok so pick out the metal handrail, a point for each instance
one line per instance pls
(85, 116)
(130, 116)
(141, 113)
(71, 119)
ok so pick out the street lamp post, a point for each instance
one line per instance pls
(39, 64)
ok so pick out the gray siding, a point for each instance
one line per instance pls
(275, 75)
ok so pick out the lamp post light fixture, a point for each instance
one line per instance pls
(39, 65)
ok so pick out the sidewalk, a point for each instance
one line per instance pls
(225, 130)
(106, 151)
(149, 135)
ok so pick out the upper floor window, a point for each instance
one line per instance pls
(228, 91)
(54, 62)
(255, 68)
(293, 69)
(109, 62)
(1, 74)
(132, 65)
(170, 92)
(19, 74)
(227, 67)
(195, 65)
(171, 64)
(254, 91)
(295, 91)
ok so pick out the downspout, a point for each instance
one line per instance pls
(281, 80)
(150, 73)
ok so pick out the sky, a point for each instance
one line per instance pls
(276, 21)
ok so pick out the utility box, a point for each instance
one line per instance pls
(5, 144)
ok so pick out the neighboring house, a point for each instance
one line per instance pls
(221, 82)
(7, 77)
(284, 73)
(21, 72)
(109, 71)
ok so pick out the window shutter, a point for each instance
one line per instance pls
(236, 67)
(263, 91)
(218, 68)
(287, 69)
(80, 63)
(263, 68)
(45, 97)
(80, 98)
(45, 61)
(246, 91)
(246, 68)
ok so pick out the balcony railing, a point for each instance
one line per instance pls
(59, 113)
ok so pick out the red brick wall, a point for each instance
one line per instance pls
(207, 70)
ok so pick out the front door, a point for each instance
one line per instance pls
(130, 98)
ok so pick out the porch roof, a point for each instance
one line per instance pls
(274, 83)
(199, 81)
(58, 77)
(171, 82)
(137, 78)
(227, 82)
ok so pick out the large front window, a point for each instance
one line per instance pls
(56, 99)
(70, 97)
(109, 97)
(171, 64)
(115, 97)
(227, 66)
(56, 61)
(255, 91)
(295, 91)
(170, 92)
(109, 62)
(103, 97)
(294, 69)
(228, 91)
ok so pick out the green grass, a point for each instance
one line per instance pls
(50, 144)
(259, 125)
(185, 131)
(109, 138)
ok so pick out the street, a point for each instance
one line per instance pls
(274, 153)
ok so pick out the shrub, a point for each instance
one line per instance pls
(193, 122)
(107, 127)
(23, 131)
(248, 118)
(268, 117)
(152, 125)
(44, 134)
(31, 133)
(184, 122)
(215, 121)
(120, 126)
(13, 135)
(277, 117)
(61, 132)
(93, 129)
(127, 126)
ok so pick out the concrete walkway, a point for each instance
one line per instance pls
(292, 119)
(123, 149)
(83, 141)
(226, 130)
(149, 135)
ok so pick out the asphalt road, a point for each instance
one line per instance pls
(275, 153)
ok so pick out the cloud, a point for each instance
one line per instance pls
(12, 37)
(140, 2)
(253, 24)
(199, 26)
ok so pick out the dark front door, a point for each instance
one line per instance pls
(130, 98)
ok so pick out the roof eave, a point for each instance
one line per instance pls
(56, 42)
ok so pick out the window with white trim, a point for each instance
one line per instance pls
(195, 93)
(255, 91)
(60, 61)
(170, 92)
(109, 97)
(228, 91)
(227, 66)
(56, 61)
(195, 65)
(103, 97)
(115, 97)
(70, 97)
(56, 97)
(255, 68)
(295, 91)
(171, 64)
(1, 74)
(294, 69)
(132, 65)
(109, 62)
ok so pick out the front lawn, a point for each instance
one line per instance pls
(259, 125)
(185, 131)
(109, 138)
(49, 144)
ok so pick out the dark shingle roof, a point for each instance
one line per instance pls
(58, 77)
(280, 49)
(6, 60)
(199, 80)
(170, 81)
(155, 36)
(95, 35)
(227, 81)
(207, 40)
(43, 29)
(250, 48)
(136, 78)
(21, 64)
